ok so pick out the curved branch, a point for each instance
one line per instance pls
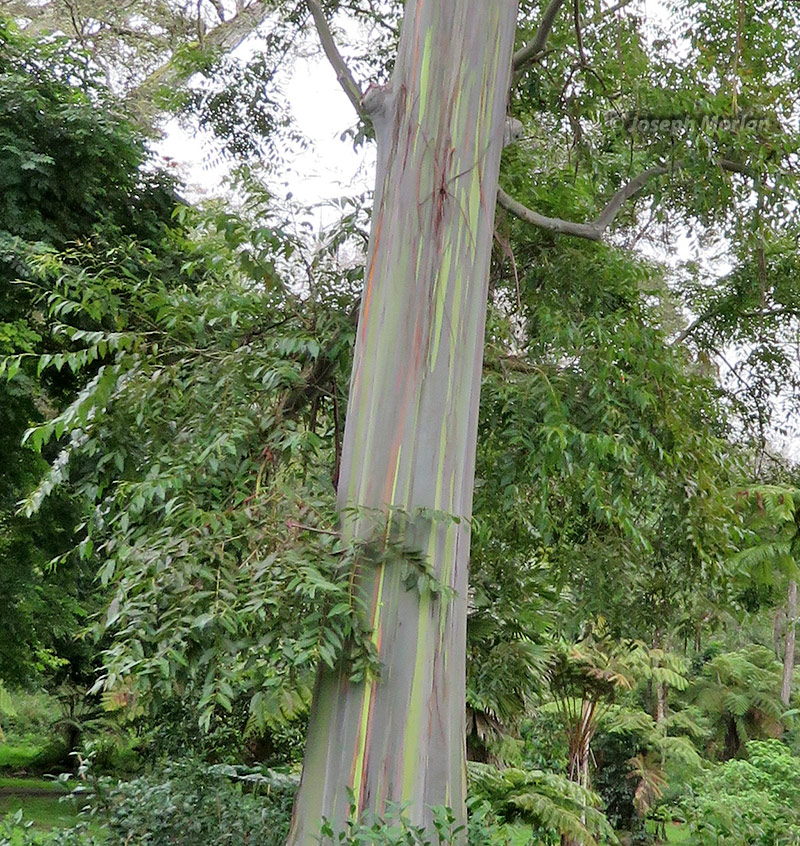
(610, 212)
(615, 8)
(781, 311)
(551, 224)
(343, 74)
(534, 49)
(596, 229)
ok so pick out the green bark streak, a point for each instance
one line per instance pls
(412, 416)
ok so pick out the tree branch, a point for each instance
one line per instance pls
(625, 193)
(223, 38)
(343, 73)
(596, 229)
(615, 8)
(744, 315)
(534, 49)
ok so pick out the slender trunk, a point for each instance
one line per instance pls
(409, 445)
(788, 655)
(579, 756)
(777, 633)
(662, 701)
(661, 689)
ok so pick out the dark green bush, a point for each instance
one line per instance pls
(187, 804)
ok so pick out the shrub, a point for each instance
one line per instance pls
(553, 805)
(753, 802)
(186, 804)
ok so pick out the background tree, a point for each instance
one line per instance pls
(71, 170)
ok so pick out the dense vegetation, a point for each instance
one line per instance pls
(173, 568)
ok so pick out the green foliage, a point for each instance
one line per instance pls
(181, 803)
(753, 802)
(554, 805)
(768, 558)
(188, 805)
(6, 708)
(588, 438)
(194, 383)
(739, 692)
(6, 703)
(16, 830)
(70, 160)
(214, 524)
(395, 828)
(71, 169)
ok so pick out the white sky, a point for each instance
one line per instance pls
(327, 169)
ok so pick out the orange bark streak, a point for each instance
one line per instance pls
(371, 278)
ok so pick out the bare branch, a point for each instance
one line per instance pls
(343, 73)
(625, 193)
(689, 330)
(596, 229)
(615, 8)
(218, 8)
(535, 49)
(782, 311)
(552, 224)
(578, 32)
(531, 51)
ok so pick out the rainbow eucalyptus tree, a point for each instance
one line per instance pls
(412, 416)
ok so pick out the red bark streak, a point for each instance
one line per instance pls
(371, 278)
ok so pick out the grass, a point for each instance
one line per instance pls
(57, 810)
(18, 755)
(20, 785)
(676, 833)
(43, 811)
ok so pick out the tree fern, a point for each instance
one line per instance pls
(739, 693)
(547, 800)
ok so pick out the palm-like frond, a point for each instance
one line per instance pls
(544, 799)
(739, 693)
(651, 782)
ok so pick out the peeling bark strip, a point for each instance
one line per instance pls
(412, 417)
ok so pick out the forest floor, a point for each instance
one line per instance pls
(45, 803)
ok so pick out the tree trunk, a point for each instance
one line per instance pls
(580, 755)
(661, 689)
(662, 702)
(411, 428)
(788, 655)
(777, 633)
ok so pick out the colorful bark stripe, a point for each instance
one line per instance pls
(412, 417)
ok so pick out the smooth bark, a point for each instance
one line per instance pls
(410, 436)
